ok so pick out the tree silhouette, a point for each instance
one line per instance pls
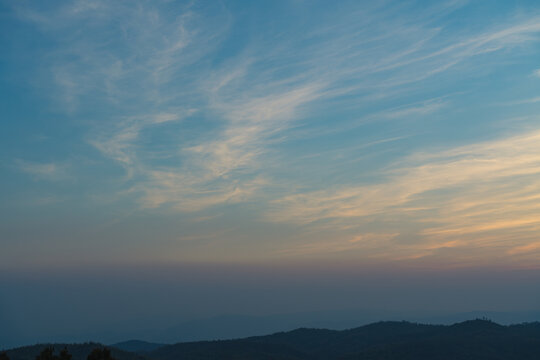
(4, 356)
(46, 354)
(100, 354)
(64, 354)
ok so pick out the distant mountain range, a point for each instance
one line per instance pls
(239, 326)
(137, 346)
(474, 339)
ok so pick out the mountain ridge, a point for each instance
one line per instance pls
(478, 339)
(137, 345)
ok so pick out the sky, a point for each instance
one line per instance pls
(311, 139)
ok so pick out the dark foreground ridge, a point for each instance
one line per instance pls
(77, 352)
(475, 339)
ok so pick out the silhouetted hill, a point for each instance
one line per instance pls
(480, 340)
(136, 346)
(477, 339)
(241, 326)
(227, 327)
(469, 340)
(79, 351)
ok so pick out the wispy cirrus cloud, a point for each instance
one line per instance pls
(149, 61)
(225, 170)
(480, 195)
(127, 55)
(533, 100)
(321, 124)
(49, 171)
(120, 143)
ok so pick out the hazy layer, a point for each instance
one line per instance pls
(113, 304)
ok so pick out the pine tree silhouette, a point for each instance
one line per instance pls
(46, 354)
(64, 354)
(100, 354)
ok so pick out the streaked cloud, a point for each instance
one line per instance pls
(224, 170)
(475, 195)
(120, 144)
(533, 100)
(331, 126)
(49, 171)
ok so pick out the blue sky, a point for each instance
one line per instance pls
(168, 160)
(251, 132)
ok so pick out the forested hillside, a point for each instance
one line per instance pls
(476, 339)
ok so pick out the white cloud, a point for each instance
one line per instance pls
(120, 144)
(140, 59)
(524, 101)
(478, 195)
(43, 171)
(224, 170)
